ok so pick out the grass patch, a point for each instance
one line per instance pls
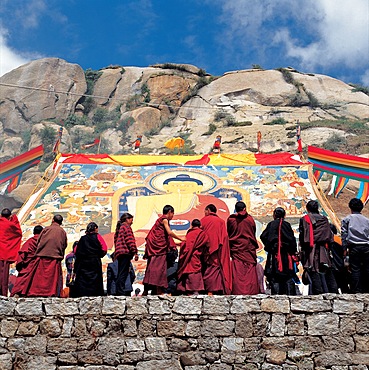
(357, 127)
(277, 121)
(242, 123)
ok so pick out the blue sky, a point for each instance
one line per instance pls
(315, 36)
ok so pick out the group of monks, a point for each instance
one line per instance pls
(215, 257)
(205, 263)
(38, 262)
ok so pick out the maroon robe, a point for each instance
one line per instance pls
(25, 256)
(218, 274)
(243, 245)
(27, 252)
(157, 246)
(10, 242)
(190, 264)
(43, 275)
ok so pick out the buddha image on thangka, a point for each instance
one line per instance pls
(188, 190)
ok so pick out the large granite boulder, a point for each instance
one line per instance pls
(42, 89)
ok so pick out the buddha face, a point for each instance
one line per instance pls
(183, 187)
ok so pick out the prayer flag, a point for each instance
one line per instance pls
(95, 142)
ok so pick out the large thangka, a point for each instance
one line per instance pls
(99, 188)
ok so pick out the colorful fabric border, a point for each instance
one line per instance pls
(13, 169)
(340, 185)
(363, 193)
(251, 159)
(344, 167)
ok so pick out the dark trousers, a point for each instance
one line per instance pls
(4, 277)
(359, 265)
(282, 285)
(323, 282)
(123, 271)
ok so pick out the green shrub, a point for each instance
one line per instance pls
(26, 137)
(220, 115)
(312, 99)
(257, 66)
(298, 100)
(277, 121)
(230, 120)
(360, 88)
(48, 139)
(133, 102)
(201, 82)
(104, 119)
(335, 142)
(91, 77)
(125, 123)
(253, 150)
(178, 67)
(243, 123)
(287, 75)
(167, 123)
(74, 120)
(152, 132)
(145, 92)
(212, 128)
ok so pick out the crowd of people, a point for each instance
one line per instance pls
(215, 257)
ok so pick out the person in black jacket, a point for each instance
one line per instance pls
(280, 244)
(88, 267)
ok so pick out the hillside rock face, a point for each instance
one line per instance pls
(163, 101)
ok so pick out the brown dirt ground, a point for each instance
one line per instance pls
(340, 204)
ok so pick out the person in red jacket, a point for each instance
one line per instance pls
(10, 242)
(125, 250)
(191, 260)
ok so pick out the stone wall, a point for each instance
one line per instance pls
(191, 333)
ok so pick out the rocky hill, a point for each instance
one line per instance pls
(163, 101)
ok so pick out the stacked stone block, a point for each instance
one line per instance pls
(189, 333)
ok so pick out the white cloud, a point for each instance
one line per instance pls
(9, 58)
(342, 36)
(30, 13)
(314, 33)
(365, 78)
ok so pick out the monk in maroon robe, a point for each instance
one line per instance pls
(43, 275)
(25, 256)
(217, 276)
(10, 242)
(191, 260)
(243, 245)
(158, 242)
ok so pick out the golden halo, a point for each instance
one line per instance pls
(156, 180)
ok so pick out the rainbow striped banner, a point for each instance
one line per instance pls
(344, 166)
(12, 170)
(340, 185)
